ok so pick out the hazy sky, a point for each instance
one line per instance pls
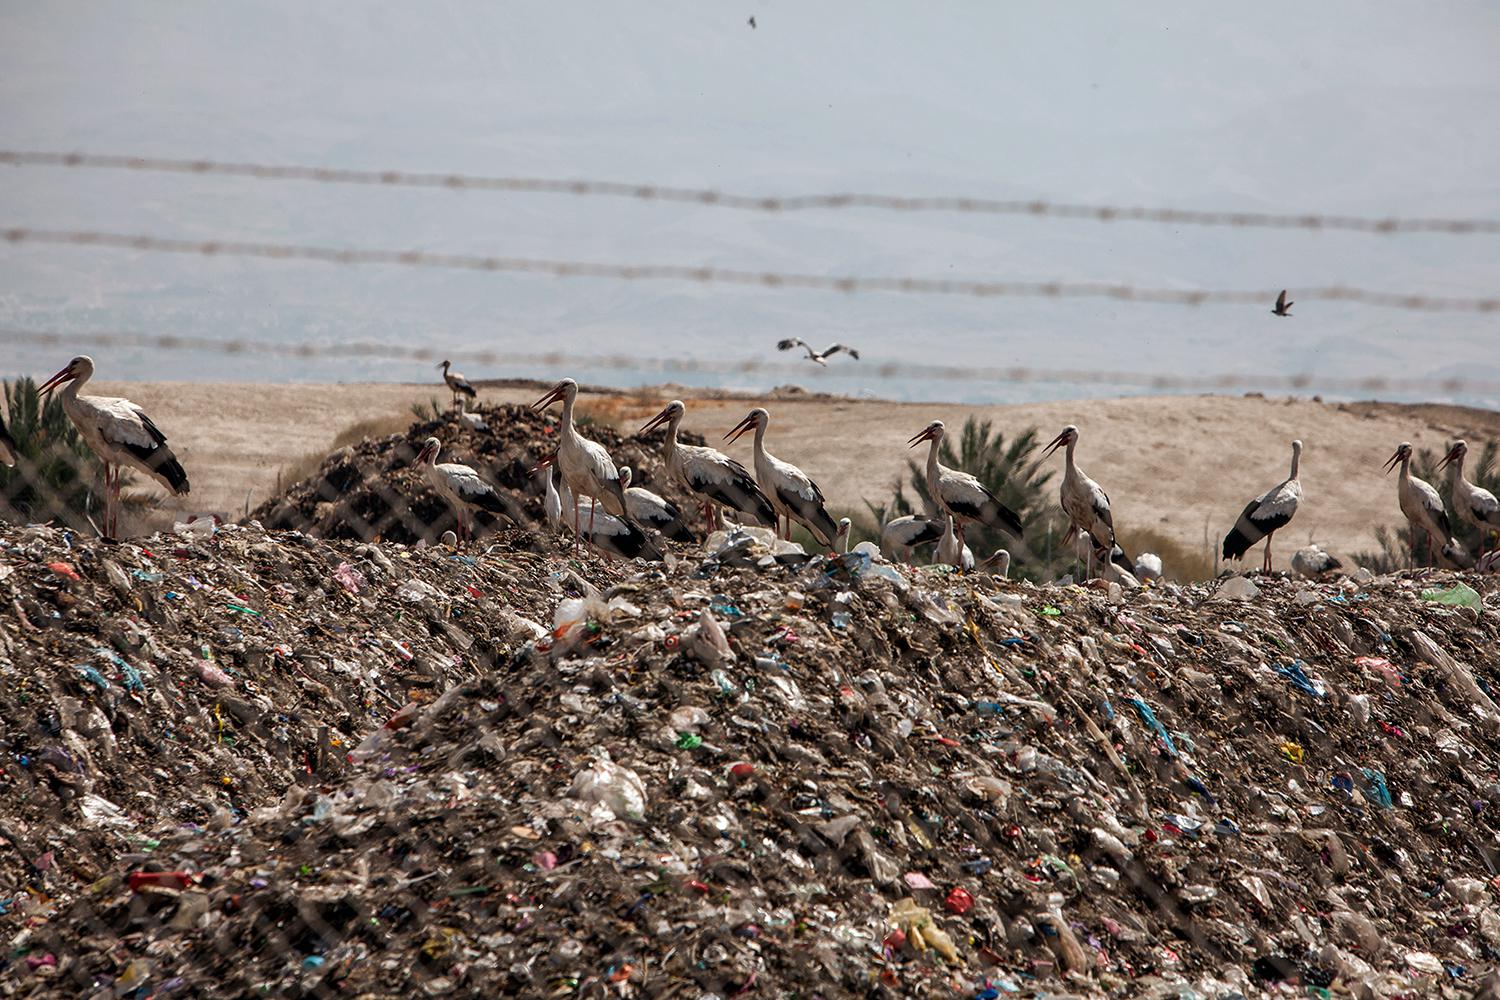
(1331, 107)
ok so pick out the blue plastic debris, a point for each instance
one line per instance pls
(1149, 718)
(91, 675)
(1293, 672)
(1378, 791)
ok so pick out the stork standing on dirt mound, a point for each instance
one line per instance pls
(717, 480)
(1423, 508)
(791, 491)
(457, 384)
(959, 493)
(120, 433)
(1085, 503)
(1473, 503)
(460, 485)
(1266, 514)
(587, 470)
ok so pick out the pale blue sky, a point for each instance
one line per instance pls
(1331, 107)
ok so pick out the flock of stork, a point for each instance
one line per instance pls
(615, 517)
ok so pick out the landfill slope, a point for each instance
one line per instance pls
(255, 763)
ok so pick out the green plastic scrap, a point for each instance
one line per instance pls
(1459, 595)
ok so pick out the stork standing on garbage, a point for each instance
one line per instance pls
(1423, 509)
(793, 494)
(1085, 503)
(460, 485)
(119, 432)
(715, 479)
(457, 384)
(587, 470)
(1266, 514)
(959, 493)
(1474, 504)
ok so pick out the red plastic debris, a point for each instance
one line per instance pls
(959, 901)
(63, 569)
(695, 884)
(170, 880)
(742, 770)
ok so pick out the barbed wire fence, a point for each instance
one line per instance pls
(1034, 208)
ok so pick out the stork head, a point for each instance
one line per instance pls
(672, 411)
(444, 364)
(80, 368)
(567, 390)
(625, 475)
(999, 561)
(1068, 436)
(1402, 454)
(1456, 453)
(932, 432)
(429, 453)
(757, 417)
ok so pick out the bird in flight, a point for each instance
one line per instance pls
(751, 22)
(821, 357)
(1282, 307)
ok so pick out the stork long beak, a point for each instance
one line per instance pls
(655, 422)
(925, 435)
(55, 381)
(543, 463)
(552, 396)
(1448, 459)
(739, 429)
(1055, 444)
(1392, 462)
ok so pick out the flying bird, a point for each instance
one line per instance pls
(1283, 307)
(119, 432)
(821, 357)
(460, 485)
(751, 22)
(791, 491)
(1264, 515)
(457, 384)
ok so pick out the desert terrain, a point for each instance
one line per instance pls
(1178, 466)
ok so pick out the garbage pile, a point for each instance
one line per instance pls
(373, 491)
(255, 763)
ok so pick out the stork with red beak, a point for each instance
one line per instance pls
(959, 493)
(793, 494)
(460, 485)
(587, 470)
(1423, 508)
(1266, 514)
(1084, 501)
(1474, 504)
(718, 481)
(119, 432)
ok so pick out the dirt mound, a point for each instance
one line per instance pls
(253, 762)
(374, 491)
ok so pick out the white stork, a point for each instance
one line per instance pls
(457, 384)
(819, 357)
(841, 537)
(1312, 562)
(119, 432)
(586, 467)
(609, 534)
(717, 480)
(793, 494)
(1115, 569)
(1148, 567)
(8, 450)
(998, 563)
(1084, 501)
(1473, 503)
(959, 493)
(460, 485)
(650, 510)
(951, 551)
(1423, 507)
(902, 534)
(1264, 515)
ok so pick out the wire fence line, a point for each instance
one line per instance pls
(667, 364)
(773, 280)
(1036, 208)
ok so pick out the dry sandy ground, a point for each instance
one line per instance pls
(1180, 465)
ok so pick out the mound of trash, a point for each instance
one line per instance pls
(373, 491)
(240, 762)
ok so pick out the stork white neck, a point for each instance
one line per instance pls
(1297, 458)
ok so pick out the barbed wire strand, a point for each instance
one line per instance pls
(777, 280)
(764, 203)
(665, 364)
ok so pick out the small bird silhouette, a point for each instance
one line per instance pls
(1282, 305)
(751, 22)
